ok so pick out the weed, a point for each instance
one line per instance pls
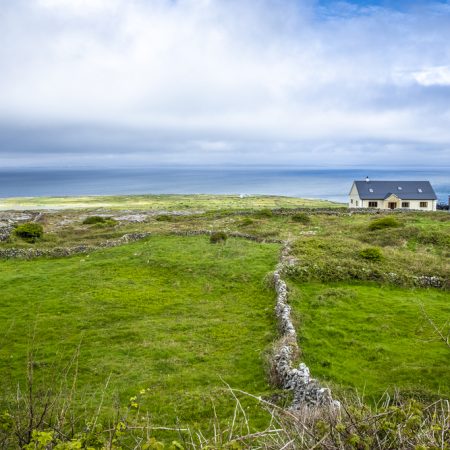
(164, 218)
(218, 237)
(246, 221)
(264, 213)
(303, 218)
(371, 254)
(384, 222)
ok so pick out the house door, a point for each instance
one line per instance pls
(392, 205)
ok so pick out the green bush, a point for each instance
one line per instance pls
(371, 254)
(264, 213)
(434, 237)
(218, 237)
(246, 222)
(384, 222)
(99, 220)
(164, 218)
(91, 220)
(29, 231)
(301, 218)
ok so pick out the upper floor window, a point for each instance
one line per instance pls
(424, 204)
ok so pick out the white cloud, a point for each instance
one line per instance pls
(216, 72)
(79, 7)
(431, 76)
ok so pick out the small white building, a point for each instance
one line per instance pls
(418, 195)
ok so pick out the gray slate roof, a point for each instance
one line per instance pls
(409, 190)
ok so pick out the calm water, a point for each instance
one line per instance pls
(327, 184)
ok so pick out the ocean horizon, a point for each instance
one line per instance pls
(329, 184)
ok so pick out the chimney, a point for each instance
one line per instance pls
(367, 179)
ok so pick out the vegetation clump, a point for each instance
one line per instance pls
(301, 218)
(99, 220)
(384, 222)
(264, 213)
(164, 218)
(246, 221)
(371, 254)
(29, 231)
(218, 237)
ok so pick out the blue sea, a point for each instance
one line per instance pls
(307, 183)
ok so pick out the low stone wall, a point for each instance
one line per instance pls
(307, 391)
(29, 253)
(235, 234)
(5, 232)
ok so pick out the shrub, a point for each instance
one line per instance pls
(98, 220)
(264, 213)
(371, 254)
(218, 237)
(164, 218)
(29, 231)
(384, 222)
(246, 222)
(301, 218)
(91, 220)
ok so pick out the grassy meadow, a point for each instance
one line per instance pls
(175, 316)
(374, 339)
(161, 326)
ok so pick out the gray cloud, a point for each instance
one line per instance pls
(205, 81)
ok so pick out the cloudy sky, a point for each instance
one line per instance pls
(303, 83)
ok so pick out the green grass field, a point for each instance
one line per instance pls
(178, 316)
(373, 338)
(164, 202)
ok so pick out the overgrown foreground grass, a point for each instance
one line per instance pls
(375, 338)
(172, 317)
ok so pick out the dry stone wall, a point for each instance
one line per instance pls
(29, 253)
(307, 390)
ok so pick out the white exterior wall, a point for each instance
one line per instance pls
(356, 202)
(415, 204)
(354, 198)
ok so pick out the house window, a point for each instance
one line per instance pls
(373, 204)
(357, 203)
(424, 204)
(405, 204)
(351, 201)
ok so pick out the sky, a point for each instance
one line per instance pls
(297, 83)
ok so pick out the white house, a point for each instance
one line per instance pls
(392, 195)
